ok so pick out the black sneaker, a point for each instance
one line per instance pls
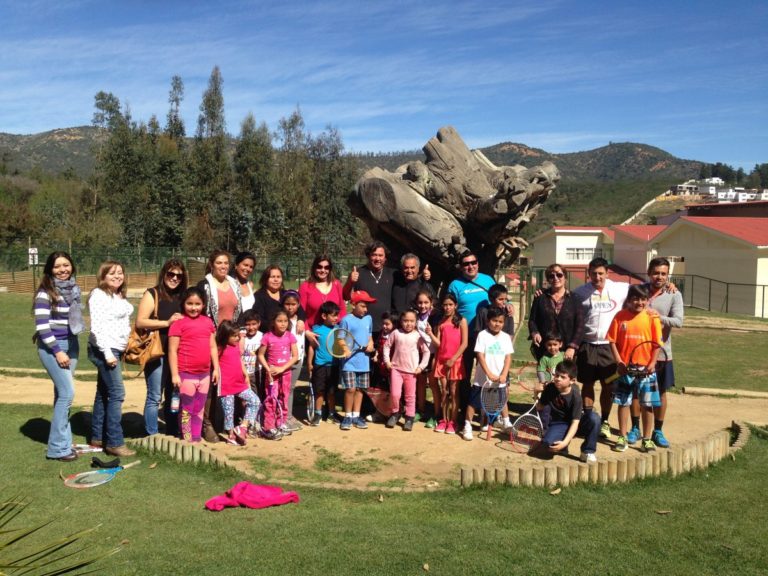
(316, 419)
(273, 434)
(408, 426)
(392, 422)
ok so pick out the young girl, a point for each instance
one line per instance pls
(278, 352)
(234, 382)
(426, 316)
(405, 366)
(290, 302)
(191, 353)
(451, 341)
(110, 328)
(388, 322)
(58, 321)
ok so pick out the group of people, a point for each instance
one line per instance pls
(233, 353)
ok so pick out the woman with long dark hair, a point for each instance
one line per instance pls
(245, 262)
(321, 286)
(58, 321)
(165, 299)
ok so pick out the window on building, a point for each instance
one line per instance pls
(583, 254)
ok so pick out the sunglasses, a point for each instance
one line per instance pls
(322, 267)
(554, 275)
(469, 263)
(178, 275)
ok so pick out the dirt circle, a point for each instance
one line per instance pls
(391, 457)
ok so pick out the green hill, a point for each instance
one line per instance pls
(601, 186)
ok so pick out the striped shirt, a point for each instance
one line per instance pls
(51, 325)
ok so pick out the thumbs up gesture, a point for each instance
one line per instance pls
(354, 276)
(425, 273)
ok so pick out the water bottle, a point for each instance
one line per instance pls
(175, 401)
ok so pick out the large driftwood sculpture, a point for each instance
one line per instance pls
(455, 201)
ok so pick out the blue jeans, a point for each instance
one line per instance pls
(60, 437)
(108, 404)
(589, 427)
(153, 374)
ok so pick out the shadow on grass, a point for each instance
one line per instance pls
(38, 429)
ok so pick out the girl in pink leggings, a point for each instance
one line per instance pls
(277, 354)
(192, 353)
(404, 365)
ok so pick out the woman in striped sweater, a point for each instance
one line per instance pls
(58, 321)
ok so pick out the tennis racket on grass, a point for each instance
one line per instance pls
(340, 343)
(493, 398)
(95, 477)
(527, 431)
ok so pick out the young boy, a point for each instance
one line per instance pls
(497, 297)
(563, 398)
(355, 368)
(553, 355)
(249, 349)
(494, 355)
(631, 326)
(323, 371)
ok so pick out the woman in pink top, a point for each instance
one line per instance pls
(321, 286)
(409, 359)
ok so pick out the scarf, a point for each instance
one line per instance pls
(70, 293)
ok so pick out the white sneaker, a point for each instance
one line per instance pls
(589, 458)
(466, 433)
(506, 424)
(484, 428)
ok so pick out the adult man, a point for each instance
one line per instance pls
(470, 290)
(600, 298)
(376, 279)
(669, 306)
(407, 282)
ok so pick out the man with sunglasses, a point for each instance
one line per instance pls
(471, 291)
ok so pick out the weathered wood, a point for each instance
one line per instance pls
(457, 200)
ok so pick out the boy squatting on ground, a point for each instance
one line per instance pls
(563, 398)
(630, 327)
(355, 371)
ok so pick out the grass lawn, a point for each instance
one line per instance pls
(712, 526)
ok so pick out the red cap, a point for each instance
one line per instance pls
(362, 296)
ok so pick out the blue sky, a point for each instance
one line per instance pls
(688, 77)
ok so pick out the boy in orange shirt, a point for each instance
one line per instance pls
(630, 327)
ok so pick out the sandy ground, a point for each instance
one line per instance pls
(419, 458)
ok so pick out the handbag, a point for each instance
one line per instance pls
(144, 345)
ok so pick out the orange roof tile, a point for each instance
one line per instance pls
(751, 230)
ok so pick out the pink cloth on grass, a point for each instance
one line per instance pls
(251, 496)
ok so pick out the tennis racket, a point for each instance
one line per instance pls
(340, 343)
(493, 398)
(637, 367)
(95, 477)
(380, 400)
(527, 431)
(310, 403)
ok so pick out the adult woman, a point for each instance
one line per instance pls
(222, 292)
(164, 297)
(556, 310)
(321, 286)
(110, 328)
(58, 321)
(244, 265)
(267, 297)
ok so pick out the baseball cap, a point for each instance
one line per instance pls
(361, 296)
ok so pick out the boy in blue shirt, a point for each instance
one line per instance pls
(355, 368)
(323, 370)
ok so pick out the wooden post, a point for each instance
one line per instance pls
(538, 477)
(612, 471)
(631, 469)
(656, 463)
(550, 476)
(477, 476)
(584, 473)
(602, 471)
(640, 468)
(513, 477)
(563, 475)
(594, 475)
(501, 475)
(621, 471)
(664, 462)
(466, 476)
(526, 477)
(489, 475)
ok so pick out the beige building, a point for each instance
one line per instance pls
(726, 256)
(572, 246)
(632, 246)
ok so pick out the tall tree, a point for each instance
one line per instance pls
(174, 125)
